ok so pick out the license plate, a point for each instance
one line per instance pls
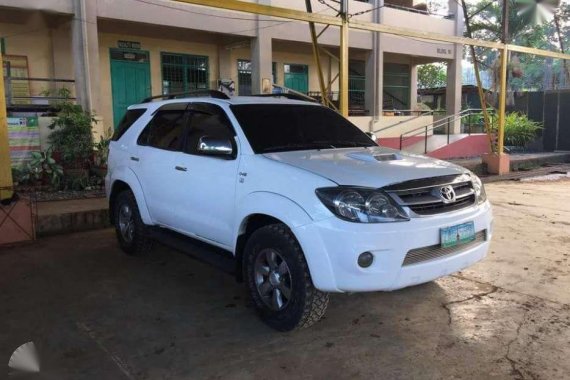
(457, 235)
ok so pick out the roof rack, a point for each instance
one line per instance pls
(289, 95)
(189, 94)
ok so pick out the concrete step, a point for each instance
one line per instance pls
(60, 217)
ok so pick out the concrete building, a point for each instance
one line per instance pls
(116, 52)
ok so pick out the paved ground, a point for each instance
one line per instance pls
(95, 313)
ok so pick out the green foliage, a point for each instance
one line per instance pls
(519, 130)
(41, 167)
(102, 150)
(432, 75)
(72, 137)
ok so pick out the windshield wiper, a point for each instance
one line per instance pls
(299, 146)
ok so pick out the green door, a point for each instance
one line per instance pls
(297, 77)
(130, 80)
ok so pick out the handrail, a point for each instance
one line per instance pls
(440, 123)
(426, 113)
(468, 111)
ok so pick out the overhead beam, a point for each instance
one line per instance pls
(266, 10)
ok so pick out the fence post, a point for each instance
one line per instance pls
(448, 129)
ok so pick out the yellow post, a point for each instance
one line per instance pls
(343, 83)
(5, 167)
(502, 100)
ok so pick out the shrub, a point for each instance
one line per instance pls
(71, 137)
(519, 130)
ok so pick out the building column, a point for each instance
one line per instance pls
(375, 70)
(454, 71)
(261, 59)
(413, 85)
(85, 49)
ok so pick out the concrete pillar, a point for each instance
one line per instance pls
(375, 70)
(261, 58)
(413, 85)
(454, 71)
(85, 50)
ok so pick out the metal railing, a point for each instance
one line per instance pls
(416, 113)
(448, 122)
(27, 93)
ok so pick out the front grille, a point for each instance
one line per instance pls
(422, 196)
(436, 251)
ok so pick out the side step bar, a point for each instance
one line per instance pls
(196, 249)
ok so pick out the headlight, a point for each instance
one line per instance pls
(361, 205)
(479, 189)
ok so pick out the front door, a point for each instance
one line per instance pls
(297, 77)
(130, 80)
(206, 185)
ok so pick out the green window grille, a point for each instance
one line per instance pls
(397, 79)
(244, 77)
(274, 72)
(184, 72)
(356, 83)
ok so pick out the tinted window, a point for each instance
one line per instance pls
(165, 129)
(285, 127)
(207, 120)
(130, 117)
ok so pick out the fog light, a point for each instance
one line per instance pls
(365, 259)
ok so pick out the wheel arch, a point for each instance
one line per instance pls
(261, 209)
(126, 180)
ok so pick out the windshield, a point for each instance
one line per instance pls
(287, 127)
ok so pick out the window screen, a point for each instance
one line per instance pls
(129, 119)
(207, 120)
(165, 129)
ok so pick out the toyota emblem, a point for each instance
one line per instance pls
(447, 194)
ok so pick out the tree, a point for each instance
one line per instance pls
(432, 75)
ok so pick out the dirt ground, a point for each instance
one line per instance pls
(95, 313)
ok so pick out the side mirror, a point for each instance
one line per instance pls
(212, 146)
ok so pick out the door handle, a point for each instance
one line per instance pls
(181, 168)
(133, 158)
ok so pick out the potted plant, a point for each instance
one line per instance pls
(72, 138)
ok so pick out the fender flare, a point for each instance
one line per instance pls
(126, 175)
(295, 217)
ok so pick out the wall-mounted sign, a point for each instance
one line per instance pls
(128, 44)
(443, 51)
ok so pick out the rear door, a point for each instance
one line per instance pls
(154, 161)
(206, 185)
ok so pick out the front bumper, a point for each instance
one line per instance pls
(332, 247)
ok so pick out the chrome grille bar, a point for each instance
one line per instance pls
(436, 251)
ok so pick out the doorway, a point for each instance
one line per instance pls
(130, 80)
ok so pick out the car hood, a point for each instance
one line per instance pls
(370, 167)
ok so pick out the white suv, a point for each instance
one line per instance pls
(299, 199)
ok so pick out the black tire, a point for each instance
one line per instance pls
(140, 242)
(306, 305)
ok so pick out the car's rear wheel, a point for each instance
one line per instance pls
(279, 281)
(132, 233)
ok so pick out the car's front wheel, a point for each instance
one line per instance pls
(279, 281)
(131, 232)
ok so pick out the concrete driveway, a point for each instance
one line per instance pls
(95, 313)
